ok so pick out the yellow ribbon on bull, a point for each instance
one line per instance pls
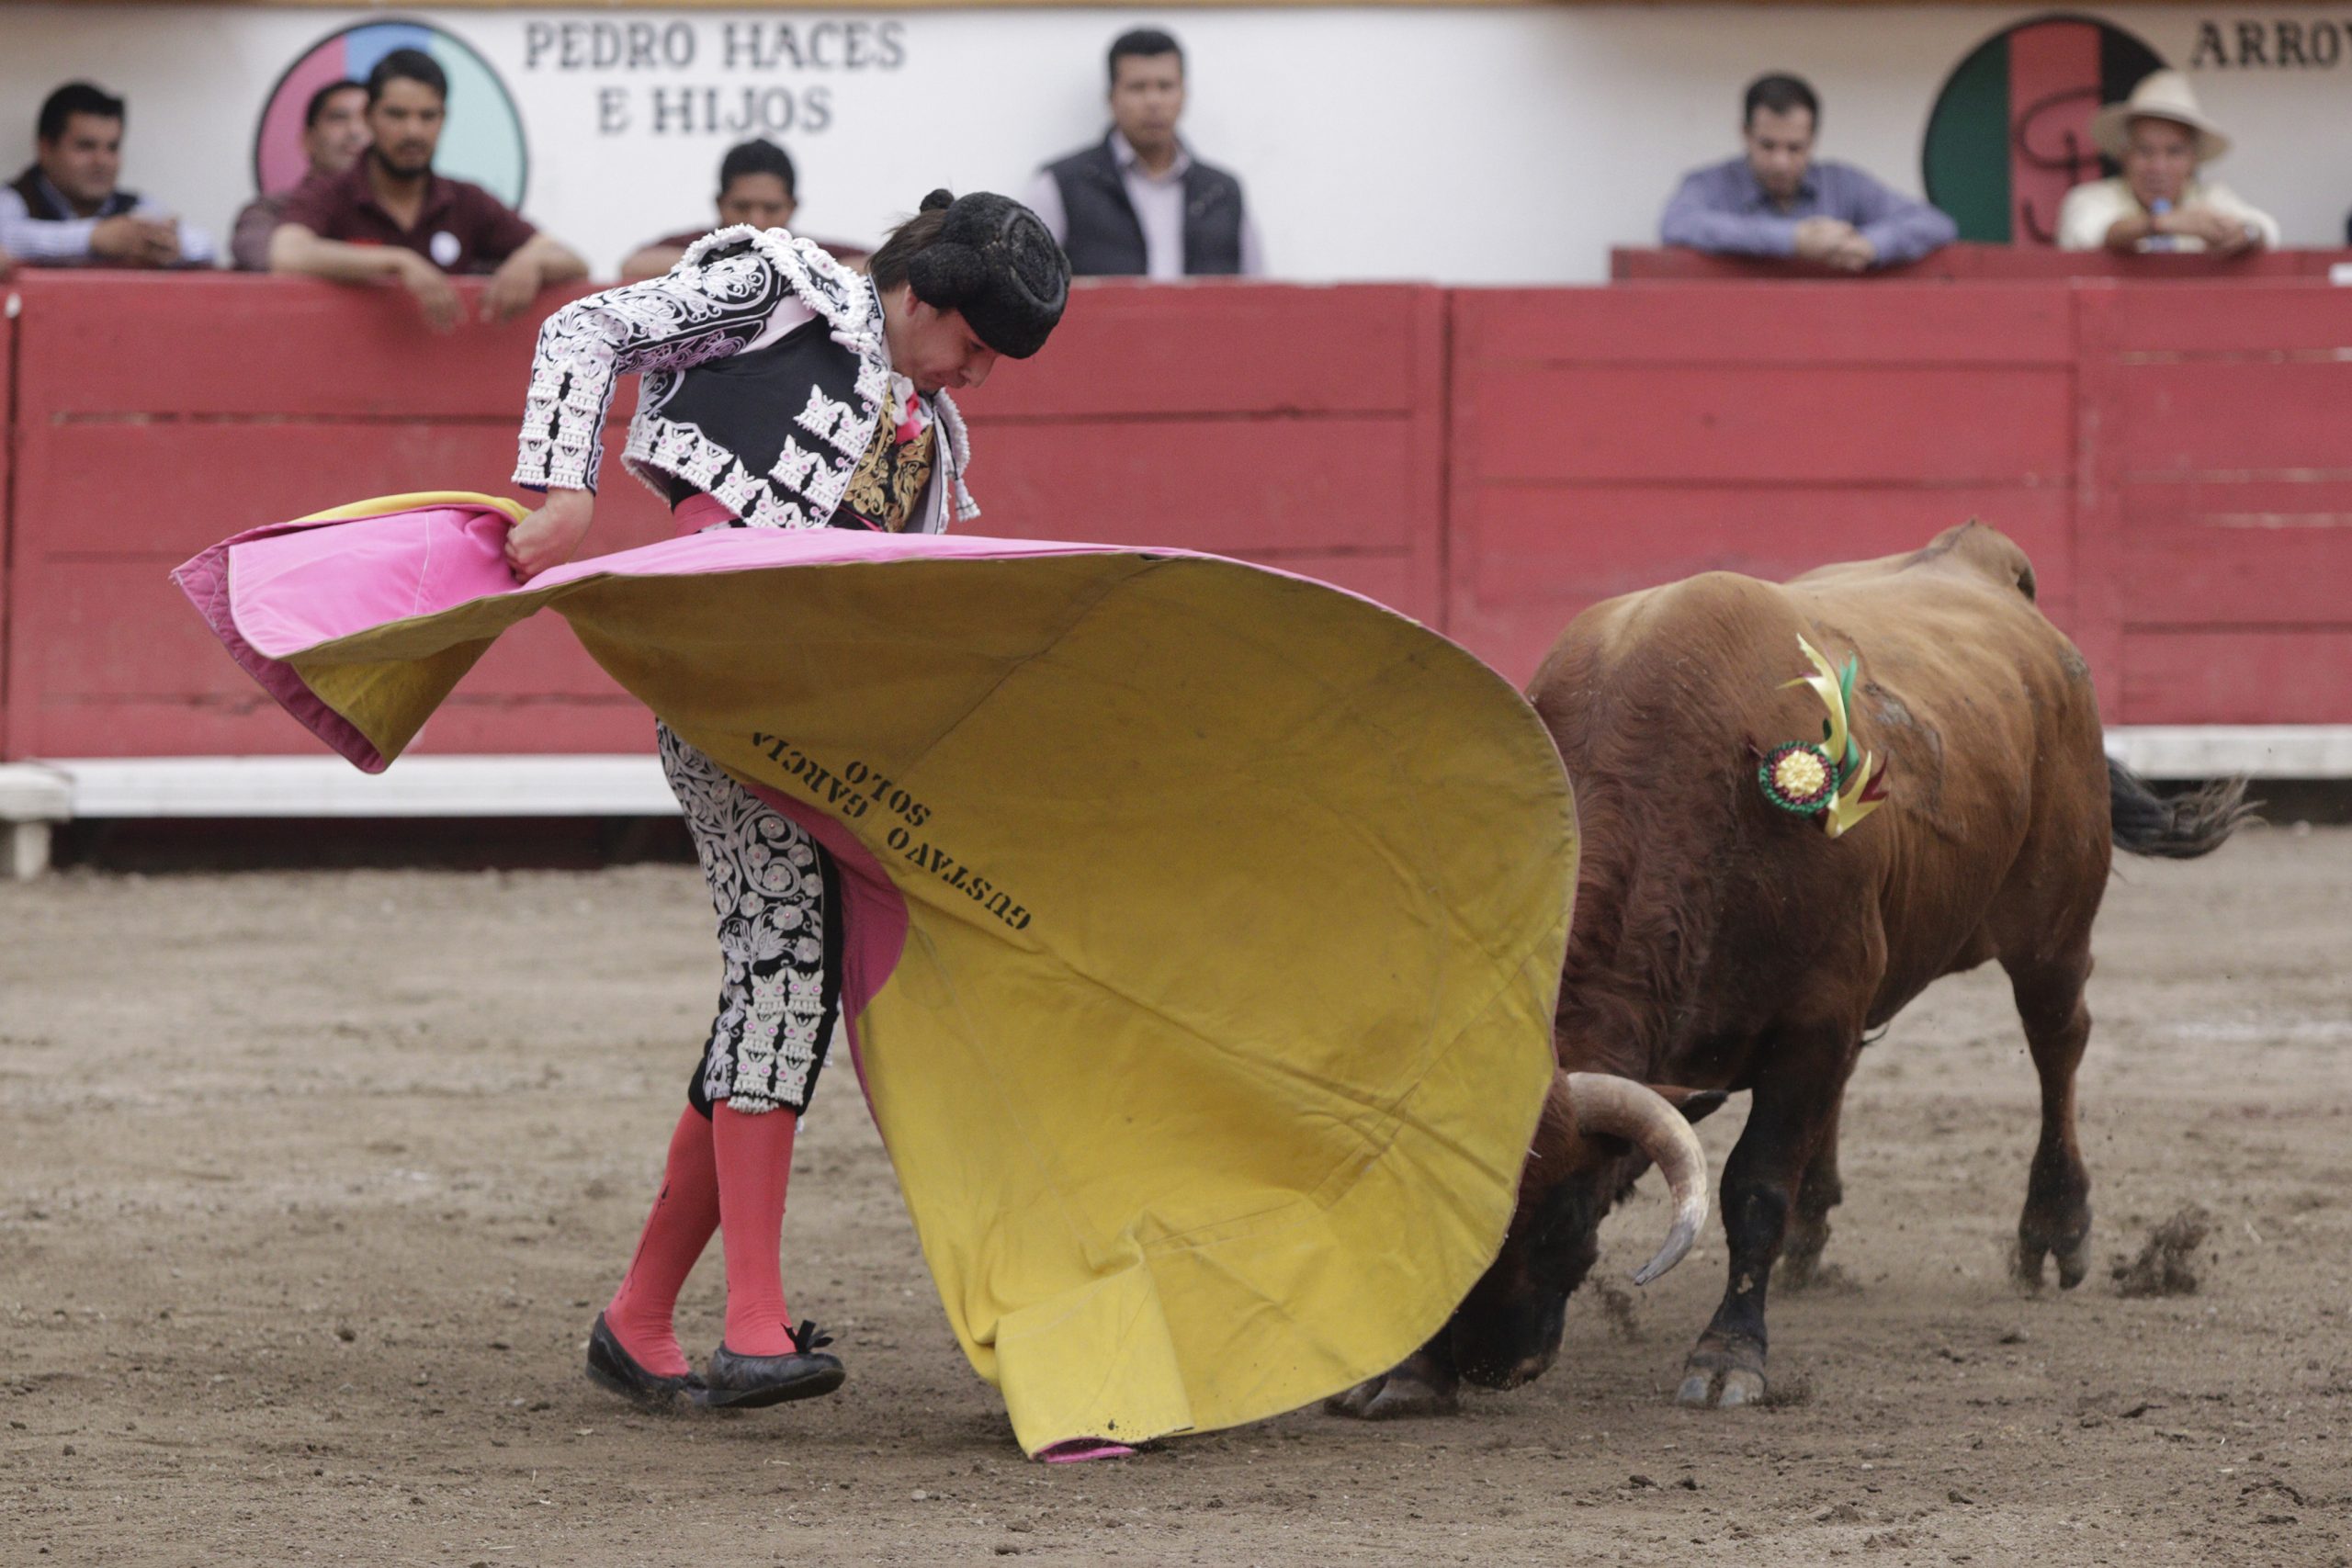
(1217, 1102)
(1851, 801)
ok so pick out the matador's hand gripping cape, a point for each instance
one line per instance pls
(1204, 925)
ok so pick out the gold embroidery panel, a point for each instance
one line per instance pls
(887, 483)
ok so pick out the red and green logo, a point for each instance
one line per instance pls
(2012, 131)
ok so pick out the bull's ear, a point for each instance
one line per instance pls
(1696, 1104)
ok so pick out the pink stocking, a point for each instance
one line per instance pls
(755, 1158)
(684, 1214)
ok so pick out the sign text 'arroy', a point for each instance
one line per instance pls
(2308, 43)
(731, 78)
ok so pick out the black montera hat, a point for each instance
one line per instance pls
(997, 263)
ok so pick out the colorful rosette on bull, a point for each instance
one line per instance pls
(1798, 777)
(1836, 780)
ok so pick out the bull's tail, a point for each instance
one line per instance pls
(2179, 827)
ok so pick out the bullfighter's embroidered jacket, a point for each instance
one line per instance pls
(765, 375)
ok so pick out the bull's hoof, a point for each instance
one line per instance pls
(1723, 1379)
(2073, 1255)
(1800, 1266)
(1799, 1269)
(1393, 1396)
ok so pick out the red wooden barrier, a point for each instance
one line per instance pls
(2174, 457)
(1301, 427)
(160, 413)
(2234, 481)
(1969, 263)
(2177, 459)
(1608, 439)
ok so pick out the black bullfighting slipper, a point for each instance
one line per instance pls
(748, 1383)
(610, 1366)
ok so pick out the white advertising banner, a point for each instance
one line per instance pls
(1456, 144)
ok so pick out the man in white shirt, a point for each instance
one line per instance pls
(2159, 203)
(1139, 203)
(66, 208)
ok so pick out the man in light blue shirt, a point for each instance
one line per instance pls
(1776, 200)
(67, 207)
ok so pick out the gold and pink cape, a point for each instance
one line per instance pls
(1204, 923)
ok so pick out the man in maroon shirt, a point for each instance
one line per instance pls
(391, 216)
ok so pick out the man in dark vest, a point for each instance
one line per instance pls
(68, 208)
(1139, 204)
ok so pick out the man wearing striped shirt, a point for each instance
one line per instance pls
(67, 210)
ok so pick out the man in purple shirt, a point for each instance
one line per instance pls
(1777, 201)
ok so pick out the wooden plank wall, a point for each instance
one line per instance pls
(2234, 481)
(1969, 262)
(2173, 456)
(1604, 440)
(162, 414)
(1302, 428)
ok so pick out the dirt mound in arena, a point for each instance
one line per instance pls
(310, 1185)
(2166, 1265)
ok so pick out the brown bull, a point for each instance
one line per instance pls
(1723, 943)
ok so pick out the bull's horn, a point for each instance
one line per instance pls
(1609, 1106)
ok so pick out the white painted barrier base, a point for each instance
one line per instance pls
(328, 786)
(34, 796)
(2212, 751)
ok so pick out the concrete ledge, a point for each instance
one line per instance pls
(328, 786)
(2257, 750)
(32, 797)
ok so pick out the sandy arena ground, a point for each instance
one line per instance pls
(308, 1184)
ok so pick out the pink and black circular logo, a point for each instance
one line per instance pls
(481, 141)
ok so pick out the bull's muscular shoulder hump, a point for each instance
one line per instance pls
(1972, 551)
(1717, 621)
(1701, 613)
(1979, 549)
(1948, 635)
(1953, 643)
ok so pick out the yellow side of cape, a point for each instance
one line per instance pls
(1236, 913)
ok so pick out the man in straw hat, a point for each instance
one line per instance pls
(2161, 138)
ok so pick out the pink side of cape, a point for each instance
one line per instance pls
(299, 585)
(271, 593)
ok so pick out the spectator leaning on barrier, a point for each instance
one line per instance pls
(1778, 200)
(2162, 139)
(334, 133)
(65, 210)
(391, 216)
(1139, 203)
(757, 187)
